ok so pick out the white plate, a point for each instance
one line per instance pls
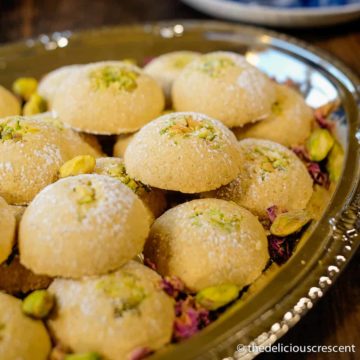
(275, 16)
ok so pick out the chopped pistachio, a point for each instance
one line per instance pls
(38, 304)
(25, 87)
(35, 105)
(14, 129)
(335, 162)
(85, 193)
(215, 297)
(121, 78)
(319, 144)
(290, 222)
(83, 356)
(215, 66)
(82, 164)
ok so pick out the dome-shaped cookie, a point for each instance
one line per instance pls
(290, 121)
(270, 175)
(114, 315)
(225, 86)
(21, 337)
(186, 152)
(208, 242)
(32, 149)
(167, 67)
(82, 225)
(108, 98)
(121, 144)
(154, 199)
(7, 230)
(51, 82)
(9, 104)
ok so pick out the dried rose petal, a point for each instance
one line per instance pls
(150, 264)
(301, 152)
(272, 212)
(190, 318)
(140, 353)
(319, 176)
(323, 122)
(280, 249)
(173, 286)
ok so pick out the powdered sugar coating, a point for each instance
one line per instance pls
(289, 123)
(86, 320)
(270, 175)
(82, 225)
(20, 336)
(31, 161)
(170, 154)
(7, 230)
(109, 109)
(225, 86)
(208, 242)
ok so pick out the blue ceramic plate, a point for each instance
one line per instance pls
(282, 13)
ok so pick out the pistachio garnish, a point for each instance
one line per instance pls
(217, 219)
(35, 105)
(38, 304)
(25, 87)
(14, 129)
(215, 66)
(82, 164)
(319, 144)
(83, 356)
(85, 193)
(335, 162)
(215, 297)
(290, 222)
(122, 78)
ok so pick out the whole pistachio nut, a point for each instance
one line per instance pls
(82, 164)
(35, 105)
(25, 87)
(290, 222)
(83, 356)
(38, 304)
(335, 162)
(215, 297)
(319, 144)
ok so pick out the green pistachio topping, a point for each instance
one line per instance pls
(35, 105)
(120, 78)
(38, 304)
(215, 66)
(319, 144)
(215, 297)
(272, 160)
(14, 129)
(216, 218)
(290, 222)
(85, 193)
(335, 162)
(125, 292)
(82, 164)
(25, 87)
(186, 126)
(83, 356)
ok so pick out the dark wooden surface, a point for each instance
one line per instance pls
(335, 320)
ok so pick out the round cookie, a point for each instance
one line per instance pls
(208, 242)
(7, 233)
(167, 67)
(186, 152)
(9, 104)
(154, 199)
(108, 98)
(51, 82)
(270, 175)
(20, 336)
(225, 86)
(121, 144)
(114, 315)
(32, 149)
(97, 225)
(290, 121)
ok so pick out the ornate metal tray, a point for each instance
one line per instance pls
(264, 315)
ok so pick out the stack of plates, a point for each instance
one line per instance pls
(282, 13)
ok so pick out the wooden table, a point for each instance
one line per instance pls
(335, 320)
